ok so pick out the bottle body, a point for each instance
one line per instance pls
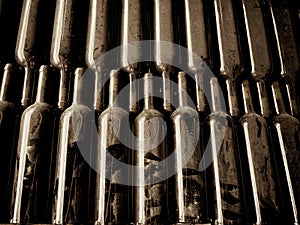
(33, 182)
(112, 195)
(225, 187)
(189, 181)
(259, 171)
(285, 133)
(73, 174)
(151, 204)
(8, 130)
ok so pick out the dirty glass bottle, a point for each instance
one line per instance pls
(225, 187)
(257, 158)
(112, 192)
(33, 181)
(285, 133)
(190, 196)
(151, 192)
(9, 121)
(72, 180)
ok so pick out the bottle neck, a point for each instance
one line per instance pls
(148, 91)
(215, 95)
(277, 97)
(5, 82)
(248, 105)
(42, 84)
(113, 88)
(78, 86)
(182, 89)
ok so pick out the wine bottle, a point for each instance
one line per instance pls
(189, 180)
(285, 130)
(164, 32)
(261, 186)
(197, 44)
(230, 62)
(150, 192)
(68, 42)
(33, 181)
(33, 43)
(72, 179)
(112, 196)
(97, 46)
(226, 188)
(259, 53)
(287, 50)
(9, 121)
(131, 50)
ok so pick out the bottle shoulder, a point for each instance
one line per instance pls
(251, 118)
(113, 112)
(6, 106)
(148, 114)
(184, 111)
(285, 118)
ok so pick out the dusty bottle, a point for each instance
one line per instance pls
(261, 186)
(131, 32)
(225, 190)
(288, 55)
(33, 181)
(164, 32)
(196, 42)
(112, 193)
(8, 133)
(97, 45)
(230, 61)
(189, 180)
(285, 133)
(72, 179)
(68, 44)
(150, 205)
(33, 43)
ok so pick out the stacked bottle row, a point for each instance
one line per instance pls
(228, 179)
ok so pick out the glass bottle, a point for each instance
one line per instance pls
(72, 179)
(33, 181)
(9, 123)
(150, 205)
(225, 187)
(112, 195)
(33, 43)
(189, 191)
(260, 182)
(68, 44)
(285, 132)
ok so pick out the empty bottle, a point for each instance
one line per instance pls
(189, 183)
(34, 172)
(285, 133)
(150, 204)
(261, 187)
(73, 173)
(225, 190)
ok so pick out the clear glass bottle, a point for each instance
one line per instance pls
(9, 123)
(285, 132)
(112, 195)
(150, 204)
(190, 195)
(34, 172)
(33, 43)
(68, 44)
(225, 186)
(72, 180)
(260, 182)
